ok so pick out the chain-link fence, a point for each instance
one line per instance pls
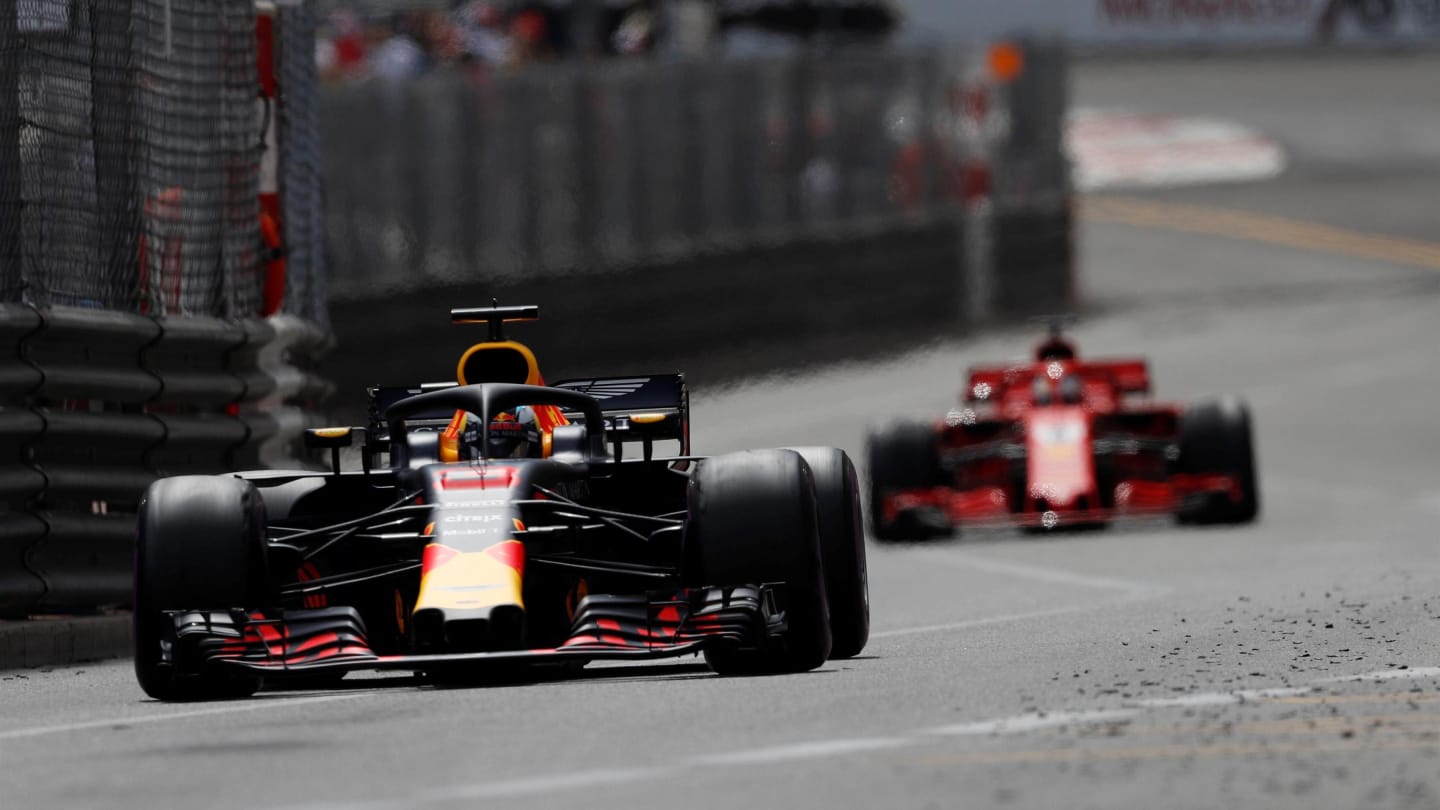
(130, 141)
(201, 161)
(581, 168)
(301, 166)
(10, 179)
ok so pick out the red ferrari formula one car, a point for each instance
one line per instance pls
(1062, 442)
(495, 522)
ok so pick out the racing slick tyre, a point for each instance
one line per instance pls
(200, 546)
(751, 520)
(903, 455)
(842, 547)
(1215, 439)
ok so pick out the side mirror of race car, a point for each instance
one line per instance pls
(570, 444)
(333, 439)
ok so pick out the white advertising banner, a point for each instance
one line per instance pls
(1223, 22)
(1193, 23)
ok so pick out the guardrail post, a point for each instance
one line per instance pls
(1033, 251)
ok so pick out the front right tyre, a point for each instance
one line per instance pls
(842, 547)
(200, 546)
(751, 519)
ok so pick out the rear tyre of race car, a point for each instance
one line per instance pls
(1215, 439)
(200, 546)
(751, 520)
(842, 547)
(899, 456)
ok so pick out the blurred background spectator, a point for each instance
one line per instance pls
(399, 39)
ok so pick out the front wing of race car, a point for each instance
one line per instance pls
(993, 507)
(605, 627)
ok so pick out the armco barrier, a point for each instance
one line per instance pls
(97, 404)
(717, 316)
(1032, 254)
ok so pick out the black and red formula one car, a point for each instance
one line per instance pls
(497, 521)
(1062, 442)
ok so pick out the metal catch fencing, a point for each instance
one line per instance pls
(130, 145)
(300, 162)
(137, 334)
(590, 168)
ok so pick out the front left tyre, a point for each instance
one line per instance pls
(200, 546)
(1216, 439)
(904, 455)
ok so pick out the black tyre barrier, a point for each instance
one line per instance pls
(200, 443)
(83, 560)
(20, 587)
(244, 360)
(93, 354)
(18, 377)
(95, 405)
(192, 359)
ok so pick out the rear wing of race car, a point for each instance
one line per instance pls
(1122, 376)
(1127, 376)
(637, 410)
(383, 396)
(640, 410)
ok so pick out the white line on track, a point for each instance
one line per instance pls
(1034, 721)
(524, 787)
(230, 708)
(819, 749)
(531, 786)
(1204, 699)
(1412, 673)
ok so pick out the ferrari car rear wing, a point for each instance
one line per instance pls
(1125, 376)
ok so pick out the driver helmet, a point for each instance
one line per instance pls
(1055, 348)
(511, 434)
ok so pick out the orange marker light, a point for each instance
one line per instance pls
(1006, 62)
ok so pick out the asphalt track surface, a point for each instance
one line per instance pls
(1288, 664)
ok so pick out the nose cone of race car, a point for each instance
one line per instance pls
(1060, 468)
(471, 601)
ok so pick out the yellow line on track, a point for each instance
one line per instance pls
(1337, 724)
(1322, 700)
(1348, 745)
(1266, 228)
(1358, 724)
